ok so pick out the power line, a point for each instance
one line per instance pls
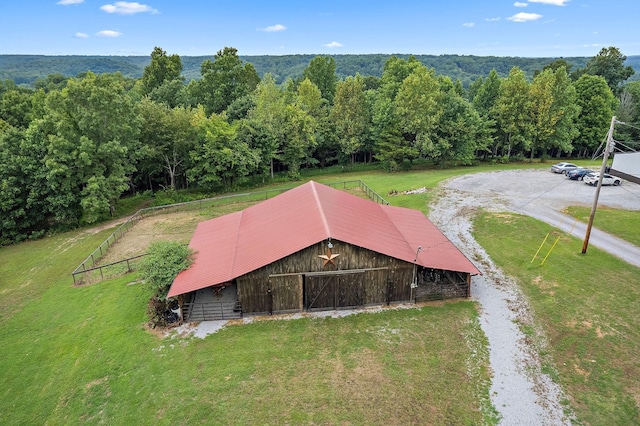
(631, 125)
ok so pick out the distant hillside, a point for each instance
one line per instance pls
(25, 69)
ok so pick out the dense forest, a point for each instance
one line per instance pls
(72, 146)
(26, 69)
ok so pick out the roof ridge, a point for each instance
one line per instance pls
(237, 246)
(316, 196)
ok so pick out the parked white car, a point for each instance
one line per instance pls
(592, 179)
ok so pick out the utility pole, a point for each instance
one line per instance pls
(607, 148)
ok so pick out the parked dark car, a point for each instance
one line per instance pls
(563, 167)
(578, 173)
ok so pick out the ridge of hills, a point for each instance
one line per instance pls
(26, 69)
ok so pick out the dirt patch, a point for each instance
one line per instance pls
(96, 382)
(422, 190)
(106, 225)
(177, 226)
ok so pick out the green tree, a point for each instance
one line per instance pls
(167, 135)
(299, 139)
(239, 108)
(321, 71)
(554, 66)
(395, 71)
(391, 148)
(172, 93)
(92, 149)
(459, 132)
(553, 111)
(417, 105)
(23, 185)
(350, 115)
(512, 112)
(16, 108)
(487, 94)
(224, 80)
(309, 99)
(629, 112)
(267, 120)
(219, 159)
(597, 105)
(484, 101)
(51, 82)
(162, 68)
(474, 87)
(609, 63)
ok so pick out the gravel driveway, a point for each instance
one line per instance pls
(521, 393)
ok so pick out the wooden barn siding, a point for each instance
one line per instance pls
(286, 292)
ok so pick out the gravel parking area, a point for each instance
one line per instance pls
(520, 391)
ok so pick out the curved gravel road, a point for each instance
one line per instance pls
(521, 393)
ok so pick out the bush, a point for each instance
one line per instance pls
(163, 262)
(406, 165)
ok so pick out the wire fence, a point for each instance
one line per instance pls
(90, 270)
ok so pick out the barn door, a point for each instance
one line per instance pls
(333, 291)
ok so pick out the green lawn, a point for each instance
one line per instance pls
(587, 306)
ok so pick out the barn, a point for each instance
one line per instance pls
(317, 248)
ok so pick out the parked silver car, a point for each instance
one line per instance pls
(563, 167)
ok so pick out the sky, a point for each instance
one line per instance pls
(532, 28)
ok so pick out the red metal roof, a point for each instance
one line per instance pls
(230, 246)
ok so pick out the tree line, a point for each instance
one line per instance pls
(71, 147)
(27, 69)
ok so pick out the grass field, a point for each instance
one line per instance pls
(587, 306)
(82, 355)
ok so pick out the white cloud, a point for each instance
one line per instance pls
(274, 28)
(520, 4)
(492, 19)
(68, 2)
(333, 44)
(553, 2)
(108, 33)
(82, 35)
(524, 17)
(127, 8)
(468, 24)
